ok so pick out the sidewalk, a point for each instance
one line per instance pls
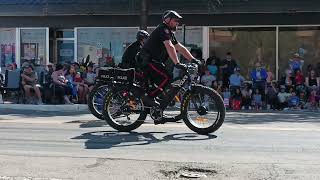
(47, 108)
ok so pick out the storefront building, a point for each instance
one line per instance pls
(63, 31)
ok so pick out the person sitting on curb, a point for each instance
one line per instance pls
(30, 82)
(60, 84)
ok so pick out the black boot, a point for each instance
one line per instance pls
(150, 101)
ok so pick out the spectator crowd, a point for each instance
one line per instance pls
(71, 83)
(294, 90)
(67, 83)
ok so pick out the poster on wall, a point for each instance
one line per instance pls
(7, 54)
(29, 50)
(99, 50)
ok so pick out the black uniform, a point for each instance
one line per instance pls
(153, 55)
(128, 58)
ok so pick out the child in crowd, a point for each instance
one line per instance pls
(236, 100)
(293, 101)
(283, 97)
(212, 67)
(288, 80)
(70, 76)
(207, 79)
(82, 87)
(78, 78)
(226, 97)
(312, 101)
(257, 100)
(299, 79)
(246, 93)
(89, 77)
(303, 100)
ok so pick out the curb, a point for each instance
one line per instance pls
(47, 108)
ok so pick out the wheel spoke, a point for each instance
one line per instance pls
(124, 110)
(202, 111)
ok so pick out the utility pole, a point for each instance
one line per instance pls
(144, 14)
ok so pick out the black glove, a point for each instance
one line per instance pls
(196, 61)
(181, 66)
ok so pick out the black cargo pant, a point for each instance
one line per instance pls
(158, 78)
(155, 73)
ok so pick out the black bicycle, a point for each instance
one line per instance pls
(124, 109)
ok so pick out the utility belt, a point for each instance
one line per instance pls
(145, 58)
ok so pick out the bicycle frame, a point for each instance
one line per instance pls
(174, 89)
(179, 84)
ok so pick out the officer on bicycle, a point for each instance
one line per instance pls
(161, 45)
(128, 58)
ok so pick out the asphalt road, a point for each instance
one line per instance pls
(52, 145)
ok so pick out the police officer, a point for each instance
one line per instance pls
(161, 45)
(128, 58)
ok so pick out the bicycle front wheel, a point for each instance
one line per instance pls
(203, 110)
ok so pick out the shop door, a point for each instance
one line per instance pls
(64, 42)
(65, 51)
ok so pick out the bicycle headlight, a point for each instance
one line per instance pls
(193, 71)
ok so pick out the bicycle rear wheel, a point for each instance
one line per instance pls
(95, 100)
(123, 110)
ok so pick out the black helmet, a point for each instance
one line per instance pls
(142, 34)
(171, 14)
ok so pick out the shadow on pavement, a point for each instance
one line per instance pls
(90, 123)
(101, 123)
(110, 139)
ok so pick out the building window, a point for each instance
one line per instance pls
(105, 46)
(247, 45)
(7, 50)
(193, 37)
(65, 51)
(33, 46)
(64, 33)
(304, 41)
